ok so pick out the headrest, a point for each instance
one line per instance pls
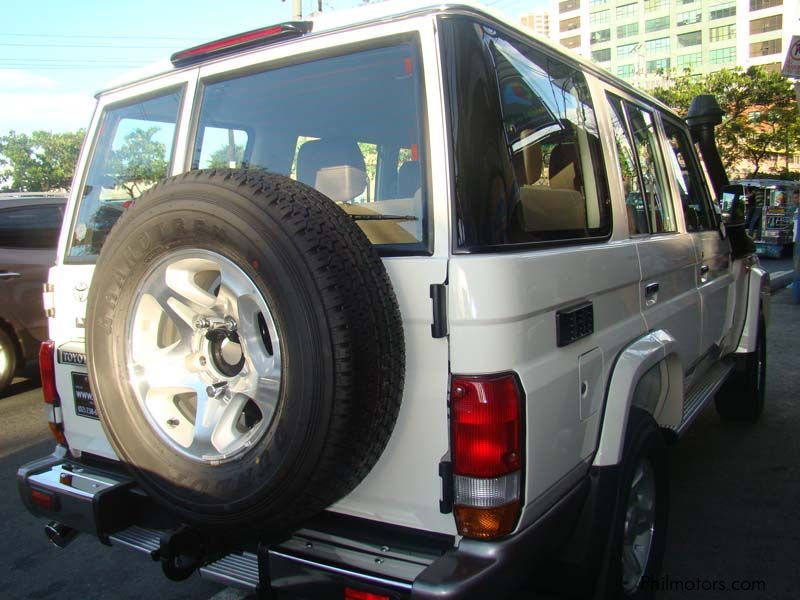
(408, 179)
(333, 166)
(563, 168)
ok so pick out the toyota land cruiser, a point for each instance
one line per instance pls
(399, 302)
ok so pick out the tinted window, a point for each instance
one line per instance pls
(647, 193)
(526, 145)
(349, 126)
(694, 198)
(631, 182)
(133, 152)
(30, 226)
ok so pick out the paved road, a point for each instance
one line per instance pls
(733, 518)
(30, 567)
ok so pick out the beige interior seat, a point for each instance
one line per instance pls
(560, 206)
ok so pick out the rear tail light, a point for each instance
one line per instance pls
(47, 370)
(354, 594)
(486, 417)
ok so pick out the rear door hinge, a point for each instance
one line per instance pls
(439, 298)
(49, 299)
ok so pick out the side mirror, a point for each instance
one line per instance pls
(732, 205)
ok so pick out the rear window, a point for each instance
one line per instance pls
(526, 144)
(133, 152)
(349, 126)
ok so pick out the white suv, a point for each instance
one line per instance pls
(390, 307)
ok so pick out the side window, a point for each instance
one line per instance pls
(651, 167)
(133, 152)
(30, 226)
(631, 184)
(534, 179)
(694, 196)
(647, 197)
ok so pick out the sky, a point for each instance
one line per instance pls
(55, 55)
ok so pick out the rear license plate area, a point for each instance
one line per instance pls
(82, 393)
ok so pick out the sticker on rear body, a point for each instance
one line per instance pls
(84, 400)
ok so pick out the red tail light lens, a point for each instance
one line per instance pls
(47, 370)
(239, 41)
(485, 414)
(353, 594)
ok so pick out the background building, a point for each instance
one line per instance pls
(640, 40)
(538, 22)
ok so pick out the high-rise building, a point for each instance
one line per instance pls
(538, 22)
(639, 41)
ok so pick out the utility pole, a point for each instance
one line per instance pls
(297, 10)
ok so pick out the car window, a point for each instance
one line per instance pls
(652, 197)
(533, 179)
(30, 226)
(631, 183)
(349, 126)
(133, 152)
(694, 197)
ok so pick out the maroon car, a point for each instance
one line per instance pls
(29, 228)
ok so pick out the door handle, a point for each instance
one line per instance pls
(9, 275)
(651, 294)
(704, 273)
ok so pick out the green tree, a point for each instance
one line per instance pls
(761, 116)
(40, 162)
(139, 162)
(222, 157)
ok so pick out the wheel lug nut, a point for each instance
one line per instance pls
(173, 422)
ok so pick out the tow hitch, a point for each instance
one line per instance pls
(181, 552)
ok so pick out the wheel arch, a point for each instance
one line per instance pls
(630, 384)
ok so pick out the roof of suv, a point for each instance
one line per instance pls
(395, 9)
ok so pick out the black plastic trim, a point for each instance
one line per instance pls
(438, 295)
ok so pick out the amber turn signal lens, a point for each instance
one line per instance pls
(486, 523)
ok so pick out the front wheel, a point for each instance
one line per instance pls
(742, 397)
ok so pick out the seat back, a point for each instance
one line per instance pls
(335, 167)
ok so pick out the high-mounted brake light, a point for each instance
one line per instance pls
(354, 594)
(248, 39)
(486, 419)
(47, 371)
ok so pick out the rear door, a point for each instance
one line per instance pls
(669, 299)
(714, 275)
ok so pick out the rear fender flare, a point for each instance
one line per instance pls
(636, 360)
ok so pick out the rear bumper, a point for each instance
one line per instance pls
(334, 552)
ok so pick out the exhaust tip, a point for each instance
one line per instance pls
(59, 534)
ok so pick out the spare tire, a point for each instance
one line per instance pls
(245, 349)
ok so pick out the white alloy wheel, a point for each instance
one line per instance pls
(203, 355)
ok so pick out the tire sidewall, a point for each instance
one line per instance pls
(643, 440)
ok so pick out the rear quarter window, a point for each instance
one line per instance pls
(526, 144)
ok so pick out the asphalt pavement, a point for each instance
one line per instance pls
(733, 518)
